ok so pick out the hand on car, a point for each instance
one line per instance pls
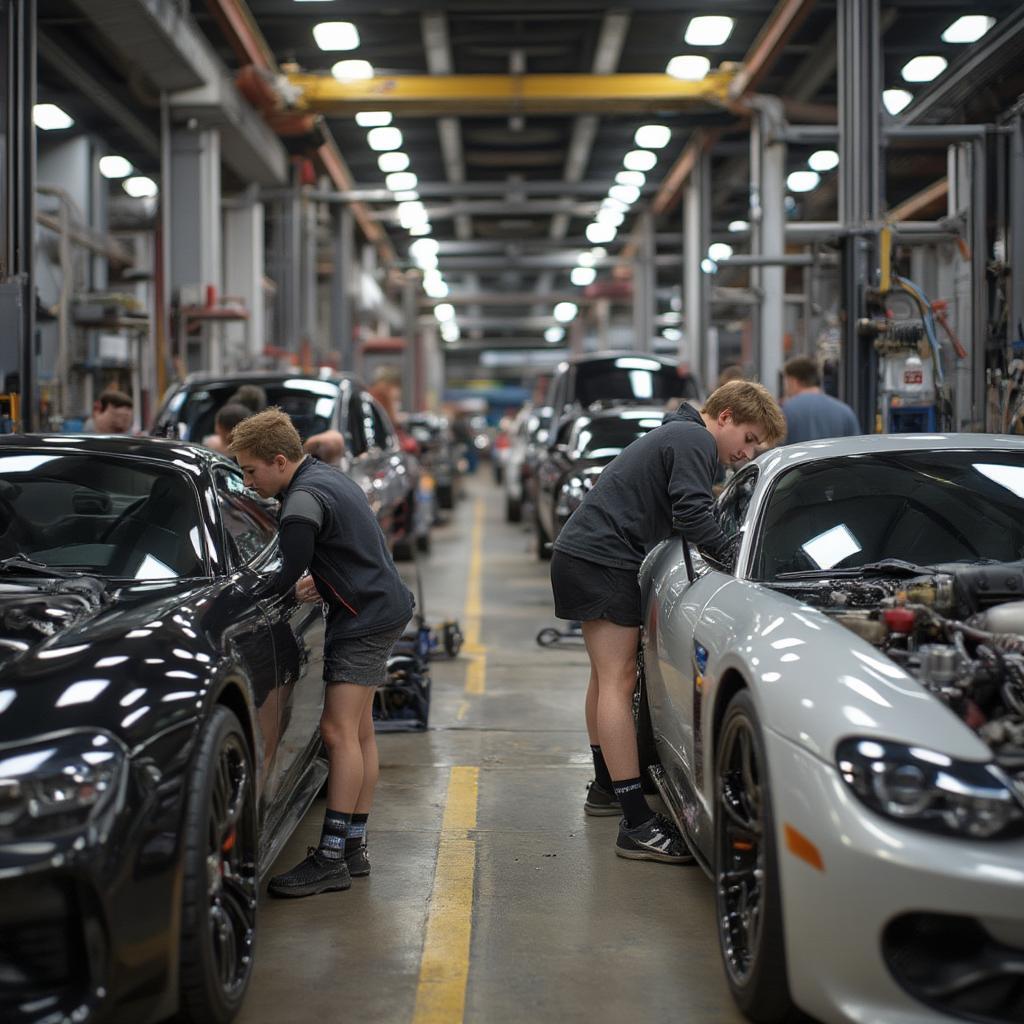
(305, 590)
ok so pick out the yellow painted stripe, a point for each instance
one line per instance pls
(476, 672)
(476, 675)
(444, 965)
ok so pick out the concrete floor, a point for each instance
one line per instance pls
(531, 915)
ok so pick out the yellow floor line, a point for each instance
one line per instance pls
(444, 965)
(476, 673)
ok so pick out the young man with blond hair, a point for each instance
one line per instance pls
(328, 527)
(659, 485)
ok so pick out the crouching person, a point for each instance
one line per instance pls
(659, 485)
(328, 527)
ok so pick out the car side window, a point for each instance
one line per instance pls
(375, 426)
(250, 528)
(735, 501)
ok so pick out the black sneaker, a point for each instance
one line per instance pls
(600, 802)
(657, 839)
(315, 874)
(358, 862)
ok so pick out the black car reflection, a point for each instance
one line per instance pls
(158, 728)
(581, 449)
(337, 403)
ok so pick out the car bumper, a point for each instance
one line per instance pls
(895, 916)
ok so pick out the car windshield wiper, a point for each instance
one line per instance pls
(885, 567)
(24, 564)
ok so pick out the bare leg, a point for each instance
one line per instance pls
(612, 650)
(344, 709)
(591, 709)
(371, 763)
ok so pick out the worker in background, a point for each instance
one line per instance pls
(810, 413)
(228, 417)
(328, 528)
(111, 414)
(250, 395)
(731, 372)
(659, 485)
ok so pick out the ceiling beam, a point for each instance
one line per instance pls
(919, 203)
(504, 95)
(477, 189)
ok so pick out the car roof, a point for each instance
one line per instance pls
(159, 449)
(603, 357)
(777, 460)
(634, 410)
(265, 377)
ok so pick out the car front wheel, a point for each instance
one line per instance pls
(747, 895)
(218, 924)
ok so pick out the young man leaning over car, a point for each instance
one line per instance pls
(328, 527)
(659, 485)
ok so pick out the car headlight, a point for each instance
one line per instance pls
(928, 790)
(58, 783)
(571, 494)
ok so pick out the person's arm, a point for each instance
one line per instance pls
(691, 476)
(301, 519)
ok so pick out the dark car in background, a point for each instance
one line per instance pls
(158, 728)
(373, 456)
(582, 448)
(437, 454)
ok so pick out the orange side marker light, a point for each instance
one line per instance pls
(800, 846)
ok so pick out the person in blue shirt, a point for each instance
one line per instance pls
(810, 413)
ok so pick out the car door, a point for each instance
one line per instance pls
(549, 473)
(380, 459)
(290, 712)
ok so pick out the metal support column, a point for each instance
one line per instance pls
(860, 191)
(644, 282)
(18, 206)
(696, 292)
(410, 361)
(1015, 183)
(308, 333)
(285, 269)
(980, 254)
(243, 279)
(341, 284)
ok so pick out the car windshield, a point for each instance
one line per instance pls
(104, 515)
(926, 508)
(309, 403)
(605, 438)
(631, 379)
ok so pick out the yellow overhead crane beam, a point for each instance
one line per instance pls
(437, 95)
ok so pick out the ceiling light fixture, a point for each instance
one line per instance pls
(115, 167)
(424, 247)
(923, 68)
(352, 70)
(652, 136)
(631, 178)
(140, 187)
(896, 100)
(412, 213)
(50, 117)
(582, 276)
(688, 67)
(373, 118)
(401, 181)
(566, 311)
(336, 35)
(708, 30)
(708, 265)
(803, 181)
(444, 311)
(823, 160)
(420, 229)
(553, 335)
(435, 287)
(381, 139)
(391, 162)
(639, 160)
(450, 331)
(739, 225)
(606, 215)
(627, 194)
(719, 251)
(968, 29)
(406, 197)
(598, 233)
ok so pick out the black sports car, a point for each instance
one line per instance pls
(158, 728)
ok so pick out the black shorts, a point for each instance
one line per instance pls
(585, 590)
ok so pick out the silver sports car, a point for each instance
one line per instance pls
(839, 724)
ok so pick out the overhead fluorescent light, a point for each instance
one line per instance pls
(803, 181)
(823, 160)
(639, 160)
(688, 67)
(406, 196)
(719, 251)
(652, 136)
(373, 118)
(436, 287)
(606, 215)
(708, 265)
(336, 35)
(582, 276)
(140, 187)
(611, 203)
(424, 247)
(896, 100)
(382, 139)
(352, 70)
(708, 30)
(450, 331)
(968, 29)
(391, 162)
(420, 229)
(631, 178)
(50, 117)
(115, 167)
(924, 68)
(553, 335)
(411, 214)
(401, 181)
(444, 311)
(672, 334)
(566, 311)
(627, 194)
(739, 225)
(598, 233)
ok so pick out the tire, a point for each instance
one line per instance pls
(499, 474)
(423, 543)
(218, 920)
(747, 895)
(548, 636)
(513, 510)
(453, 639)
(445, 496)
(543, 551)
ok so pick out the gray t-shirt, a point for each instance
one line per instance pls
(813, 415)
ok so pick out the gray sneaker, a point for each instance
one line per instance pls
(358, 862)
(315, 874)
(657, 839)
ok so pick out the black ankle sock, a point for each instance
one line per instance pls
(333, 834)
(601, 776)
(356, 836)
(633, 802)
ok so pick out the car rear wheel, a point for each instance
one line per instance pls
(513, 509)
(445, 496)
(747, 895)
(218, 921)
(543, 548)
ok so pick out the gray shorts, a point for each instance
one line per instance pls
(362, 660)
